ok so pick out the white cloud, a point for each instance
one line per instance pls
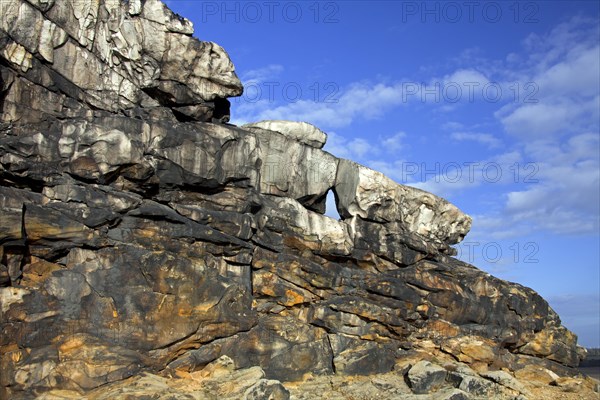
(563, 196)
(559, 194)
(394, 143)
(452, 126)
(564, 67)
(457, 176)
(560, 133)
(546, 50)
(398, 170)
(360, 147)
(567, 198)
(262, 74)
(358, 101)
(551, 118)
(555, 129)
(466, 78)
(576, 75)
(483, 138)
(496, 226)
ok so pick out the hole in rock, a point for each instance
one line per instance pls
(331, 207)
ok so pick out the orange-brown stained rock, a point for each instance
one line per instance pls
(285, 293)
(85, 167)
(43, 223)
(37, 271)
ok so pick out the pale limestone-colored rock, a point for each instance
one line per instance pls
(102, 86)
(208, 151)
(425, 377)
(294, 170)
(11, 215)
(94, 151)
(98, 196)
(16, 54)
(23, 23)
(300, 131)
(469, 349)
(568, 384)
(42, 5)
(132, 256)
(11, 295)
(117, 49)
(46, 44)
(154, 37)
(474, 385)
(155, 10)
(507, 380)
(135, 7)
(228, 384)
(324, 233)
(27, 26)
(78, 18)
(371, 195)
(204, 66)
(221, 367)
(267, 389)
(536, 374)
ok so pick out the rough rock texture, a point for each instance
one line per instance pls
(300, 131)
(221, 379)
(138, 235)
(71, 58)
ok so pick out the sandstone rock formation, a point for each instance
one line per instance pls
(139, 234)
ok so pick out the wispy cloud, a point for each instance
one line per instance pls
(395, 142)
(363, 150)
(486, 139)
(557, 134)
(359, 101)
(552, 127)
(263, 74)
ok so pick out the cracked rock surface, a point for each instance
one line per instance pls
(144, 238)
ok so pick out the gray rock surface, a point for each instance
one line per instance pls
(300, 131)
(425, 377)
(141, 235)
(136, 58)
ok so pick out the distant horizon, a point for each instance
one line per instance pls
(492, 105)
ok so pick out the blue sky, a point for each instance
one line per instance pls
(493, 105)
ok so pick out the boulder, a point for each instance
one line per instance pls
(425, 377)
(303, 132)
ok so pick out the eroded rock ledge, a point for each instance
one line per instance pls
(139, 235)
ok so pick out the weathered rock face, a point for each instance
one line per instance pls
(300, 131)
(136, 58)
(137, 234)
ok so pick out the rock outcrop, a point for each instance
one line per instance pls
(140, 234)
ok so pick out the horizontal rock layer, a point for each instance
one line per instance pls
(136, 236)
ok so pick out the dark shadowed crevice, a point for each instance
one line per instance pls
(5, 83)
(221, 112)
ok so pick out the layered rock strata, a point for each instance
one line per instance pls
(140, 233)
